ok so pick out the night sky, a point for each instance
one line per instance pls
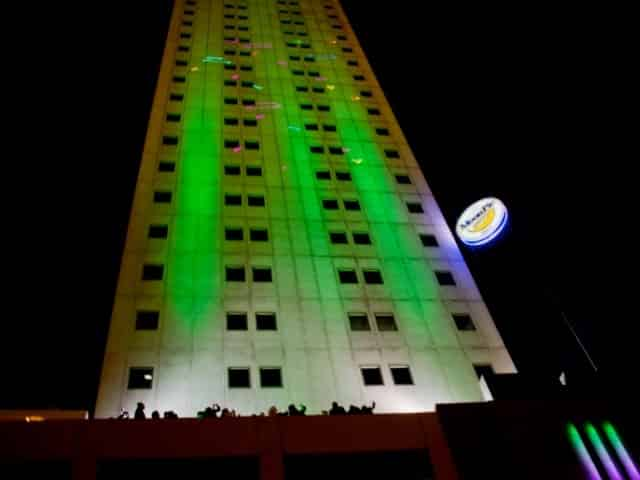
(524, 103)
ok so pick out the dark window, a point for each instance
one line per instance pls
(187, 23)
(463, 322)
(311, 126)
(401, 375)
(343, 176)
(256, 201)
(351, 204)
(147, 319)
(229, 27)
(158, 231)
(318, 89)
(176, 97)
(166, 167)
(140, 378)
(386, 322)
(248, 102)
(173, 117)
(323, 175)
(250, 122)
(372, 277)
(181, 63)
(403, 179)
(483, 371)
(347, 276)
(371, 376)
(162, 197)
(178, 79)
(230, 101)
(359, 322)
(189, 12)
(309, 58)
(233, 234)
(341, 37)
(253, 171)
(337, 27)
(261, 274)
(183, 48)
(292, 44)
(324, 108)
(243, 28)
(330, 204)
(305, 45)
(445, 278)
(259, 235)
(336, 151)
(231, 121)
(313, 74)
(229, 52)
(317, 149)
(329, 128)
(232, 199)
(347, 49)
(294, 58)
(302, 89)
(366, 93)
(361, 239)
(245, 54)
(382, 131)
(152, 272)
(338, 237)
(185, 35)
(232, 170)
(229, 16)
(266, 321)
(246, 68)
(234, 274)
(391, 154)
(230, 83)
(306, 106)
(298, 72)
(239, 378)
(270, 377)
(373, 111)
(230, 67)
(167, 140)
(352, 63)
(428, 240)
(237, 321)
(414, 207)
(247, 84)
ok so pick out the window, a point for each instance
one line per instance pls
(147, 319)
(232, 170)
(382, 131)
(309, 58)
(306, 106)
(256, 201)
(250, 122)
(317, 149)
(428, 240)
(185, 35)
(330, 204)
(168, 140)
(324, 108)
(181, 63)
(311, 126)
(371, 376)
(391, 154)
(351, 204)
(329, 128)
(347, 49)
(270, 377)
(231, 121)
(343, 176)
(372, 277)
(173, 117)
(230, 101)
(178, 79)
(341, 37)
(323, 175)
(302, 89)
(261, 274)
(403, 179)
(166, 167)
(266, 321)
(386, 322)
(246, 68)
(313, 74)
(258, 235)
(234, 274)
(152, 272)
(248, 102)
(414, 207)
(229, 52)
(140, 378)
(483, 370)
(373, 111)
(361, 238)
(183, 48)
(253, 171)
(352, 63)
(338, 237)
(162, 197)
(445, 278)
(347, 276)
(230, 66)
(463, 322)
(366, 94)
(336, 150)
(189, 12)
(298, 73)
(318, 89)
(158, 231)
(251, 145)
(232, 199)
(231, 144)
(176, 97)
(237, 321)
(359, 322)
(230, 83)
(294, 58)
(238, 377)
(233, 234)
(401, 375)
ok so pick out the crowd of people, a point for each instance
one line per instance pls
(215, 411)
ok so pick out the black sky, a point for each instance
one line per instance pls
(522, 102)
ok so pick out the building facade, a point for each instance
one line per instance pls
(283, 245)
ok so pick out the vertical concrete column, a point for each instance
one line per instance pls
(271, 451)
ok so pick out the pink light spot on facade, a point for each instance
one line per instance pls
(237, 149)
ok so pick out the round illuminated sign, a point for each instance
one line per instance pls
(482, 222)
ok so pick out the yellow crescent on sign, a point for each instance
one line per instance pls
(483, 223)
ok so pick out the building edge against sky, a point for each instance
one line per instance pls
(269, 184)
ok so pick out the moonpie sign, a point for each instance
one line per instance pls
(482, 222)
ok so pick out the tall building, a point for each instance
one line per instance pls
(283, 245)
